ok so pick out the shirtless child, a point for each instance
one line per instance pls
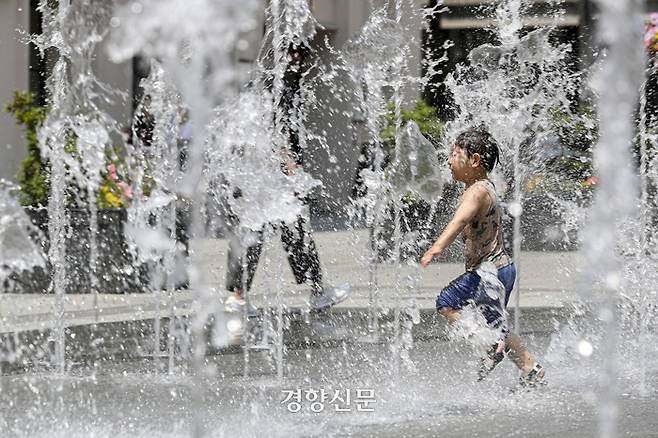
(478, 217)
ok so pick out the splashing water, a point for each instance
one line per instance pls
(239, 140)
(619, 79)
(75, 133)
(513, 88)
(18, 251)
(194, 42)
(415, 169)
(241, 160)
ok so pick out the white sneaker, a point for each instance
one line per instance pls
(234, 328)
(234, 307)
(237, 333)
(234, 304)
(329, 297)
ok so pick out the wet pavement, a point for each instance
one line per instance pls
(548, 280)
(433, 393)
(114, 387)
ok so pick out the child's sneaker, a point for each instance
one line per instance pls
(492, 358)
(534, 378)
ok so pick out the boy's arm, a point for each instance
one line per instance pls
(466, 212)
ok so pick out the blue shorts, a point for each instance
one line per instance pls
(464, 290)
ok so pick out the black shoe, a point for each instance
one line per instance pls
(490, 361)
(534, 378)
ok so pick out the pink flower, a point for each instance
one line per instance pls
(648, 35)
(126, 190)
(112, 172)
(654, 18)
(592, 181)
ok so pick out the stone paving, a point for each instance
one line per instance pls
(548, 280)
(121, 387)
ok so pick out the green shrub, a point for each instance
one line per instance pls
(33, 174)
(429, 124)
(577, 131)
(425, 117)
(569, 176)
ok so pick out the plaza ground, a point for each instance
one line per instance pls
(548, 280)
(115, 387)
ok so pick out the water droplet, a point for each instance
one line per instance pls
(589, 397)
(115, 22)
(234, 325)
(515, 209)
(136, 8)
(605, 315)
(612, 280)
(585, 348)
(242, 45)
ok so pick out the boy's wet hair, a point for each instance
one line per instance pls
(478, 140)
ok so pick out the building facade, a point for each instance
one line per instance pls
(22, 69)
(464, 22)
(14, 75)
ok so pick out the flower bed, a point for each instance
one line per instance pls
(116, 271)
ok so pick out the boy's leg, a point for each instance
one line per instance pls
(485, 294)
(456, 295)
(450, 314)
(519, 353)
(467, 288)
(532, 373)
(494, 314)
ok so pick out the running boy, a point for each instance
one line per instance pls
(478, 217)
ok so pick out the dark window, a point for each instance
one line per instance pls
(441, 30)
(37, 67)
(141, 69)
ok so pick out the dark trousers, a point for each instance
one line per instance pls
(298, 244)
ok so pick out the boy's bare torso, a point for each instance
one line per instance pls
(483, 239)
